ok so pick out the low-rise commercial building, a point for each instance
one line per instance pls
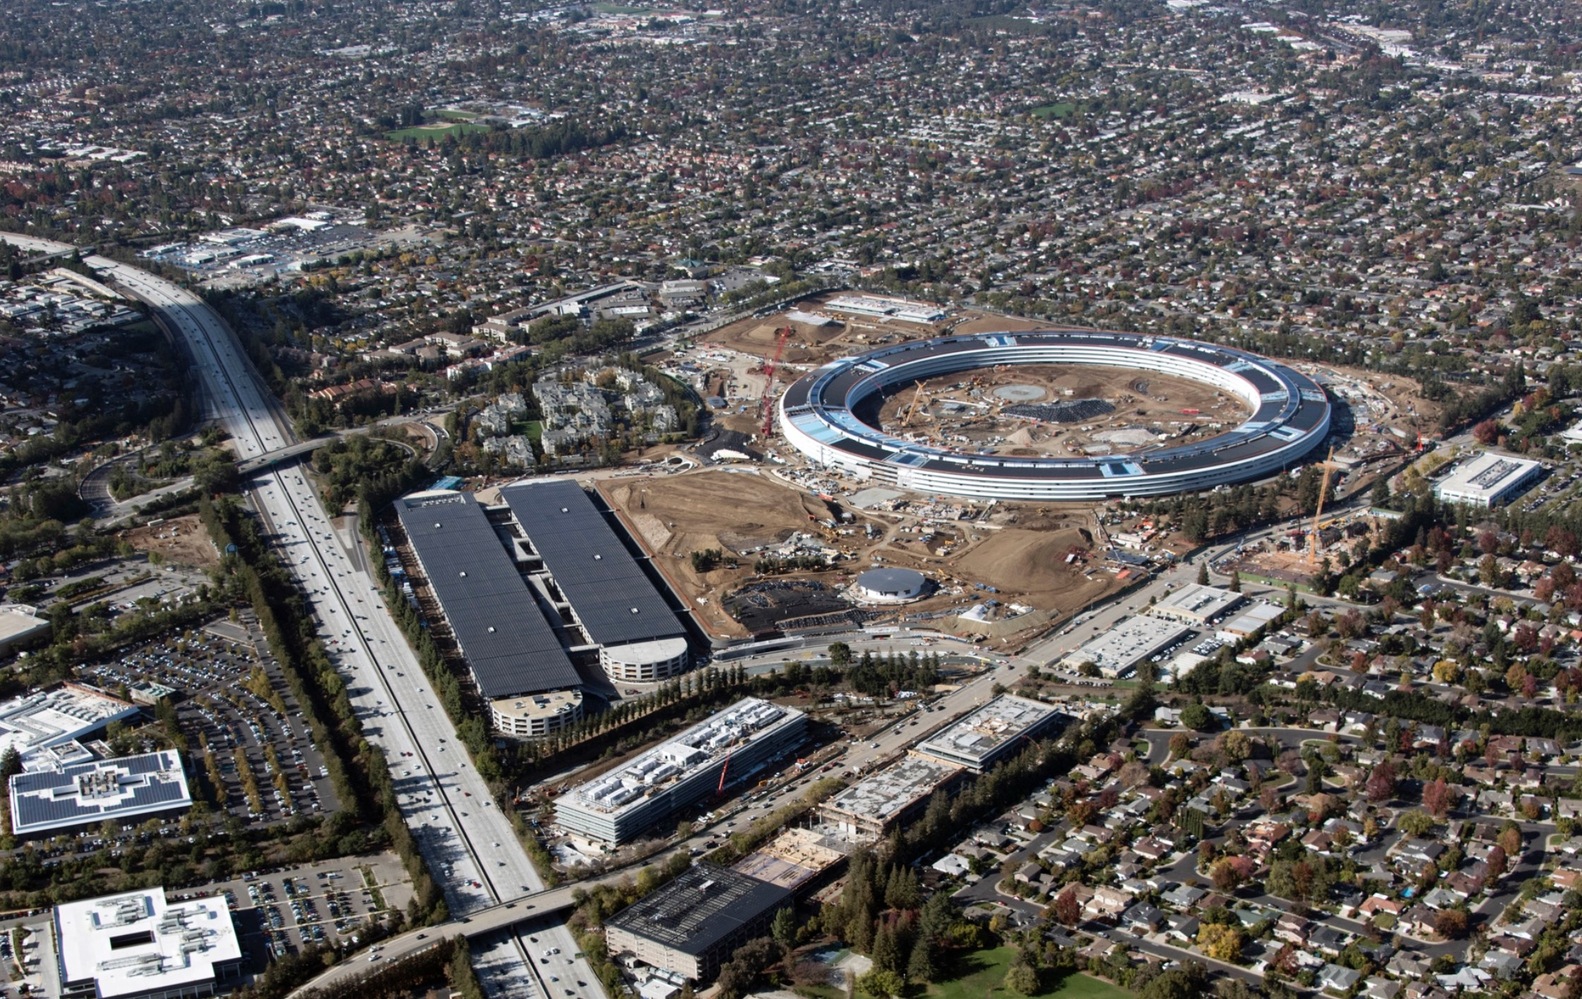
(692, 925)
(1130, 643)
(1196, 604)
(129, 787)
(867, 809)
(990, 733)
(1489, 480)
(727, 747)
(56, 718)
(137, 945)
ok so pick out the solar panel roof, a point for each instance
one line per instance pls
(608, 590)
(136, 785)
(498, 623)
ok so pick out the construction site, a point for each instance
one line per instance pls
(991, 564)
(1048, 411)
(791, 537)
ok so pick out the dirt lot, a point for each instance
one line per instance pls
(1029, 566)
(180, 540)
(676, 515)
(978, 323)
(734, 512)
(815, 345)
(1018, 411)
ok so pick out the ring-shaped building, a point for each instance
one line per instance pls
(1290, 417)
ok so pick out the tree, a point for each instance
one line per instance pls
(1236, 745)
(1416, 824)
(1067, 909)
(901, 891)
(922, 967)
(1202, 573)
(1196, 716)
(1219, 941)
(1180, 745)
(1451, 923)
(736, 975)
(1496, 860)
(1190, 981)
(884, 984)
(783, 930)
(1510, 840)
(887, 954)
(1437, 797)
(1380, 785)
(1022, 977)
(1226, 874)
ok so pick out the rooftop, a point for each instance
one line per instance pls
(703, 745)
(1485, 476)
(611, 595)
(83, 793)
(134, 943)
(980, 736)
(1196, 602)
(57, 716)
(884, 795)
(703, 906)
(507, 641)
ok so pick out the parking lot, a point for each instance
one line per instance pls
(250, 746)
(329, 902)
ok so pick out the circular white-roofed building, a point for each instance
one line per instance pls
(890, 586)
(1289, 417)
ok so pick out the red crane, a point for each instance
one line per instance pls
(767, 413)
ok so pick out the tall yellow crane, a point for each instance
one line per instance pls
(917, 400)
(1328, 466)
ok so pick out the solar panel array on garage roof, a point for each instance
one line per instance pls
(608, 590)
(508, 643)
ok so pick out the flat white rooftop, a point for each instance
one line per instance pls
(978, 739)
(705, 745)
(881, 796)
(1195, 603)
(1256, 616)
(18, 623)
(57, 716)
(137, 943)
(1487, 480)
(1126, 645)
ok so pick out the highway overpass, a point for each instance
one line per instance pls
(547, 906)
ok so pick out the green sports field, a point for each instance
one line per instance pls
(985, 979)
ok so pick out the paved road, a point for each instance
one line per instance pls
(467, 843)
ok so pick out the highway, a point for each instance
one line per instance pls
(470, 847)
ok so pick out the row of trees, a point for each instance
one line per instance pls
(358, 770)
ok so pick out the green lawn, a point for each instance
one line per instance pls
(434, 131)
(1060, 110)
(984, 978)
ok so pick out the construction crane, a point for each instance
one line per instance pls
(1328, 465)
(767, 415)
(918, 398)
